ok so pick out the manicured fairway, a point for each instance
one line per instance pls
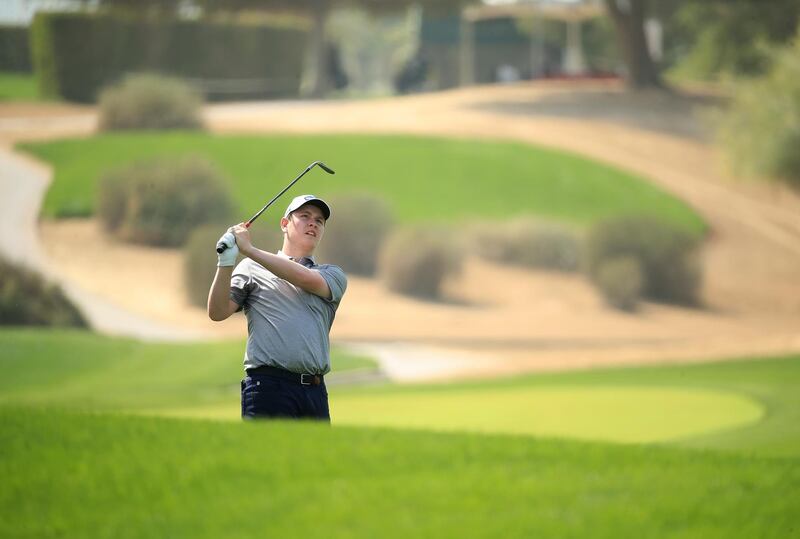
(617, 414)
(424, 179)
(604, 413)
(113, 476)
(749, 405)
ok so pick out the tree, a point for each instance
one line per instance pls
(730, 36)
(629, 18)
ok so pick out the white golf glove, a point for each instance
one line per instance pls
(228, 256)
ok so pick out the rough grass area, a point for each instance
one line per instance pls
(74, 475)
(423, 179)
(18, 87)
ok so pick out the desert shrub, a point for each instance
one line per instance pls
(667, 256)
(760, 131)
(416, 261)
(146, 101)
(620, 280)
(160, 202)
(359, 226)
(267, 235)
(200, 262)
(27, 299)
(529, 243)
(200, 258)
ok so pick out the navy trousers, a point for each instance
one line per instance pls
(265, 396)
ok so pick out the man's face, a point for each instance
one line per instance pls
(305, 226)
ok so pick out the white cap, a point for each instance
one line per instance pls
(308, 199)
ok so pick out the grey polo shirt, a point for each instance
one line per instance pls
(287, 327)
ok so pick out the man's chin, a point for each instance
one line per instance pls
(310, 243)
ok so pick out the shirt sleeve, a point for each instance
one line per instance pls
(241, 282)
(337, 282)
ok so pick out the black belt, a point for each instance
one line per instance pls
(305, 379)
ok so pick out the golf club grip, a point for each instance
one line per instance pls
(221, 247)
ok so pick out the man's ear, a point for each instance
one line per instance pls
(284, 223)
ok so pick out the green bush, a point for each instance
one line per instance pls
(76, 54)
(709, 39)
(161, 202)
(529, 243)
(15, 53)
(668, 257)
(620, 280)
(147, 101)
(27, 299)
(760, 131)
(200, 258)
(358, 227)
(417, 260)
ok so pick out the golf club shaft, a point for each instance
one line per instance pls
(221, 246)
(276, 197)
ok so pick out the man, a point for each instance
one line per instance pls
(290, 302)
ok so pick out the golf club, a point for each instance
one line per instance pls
(221, 246)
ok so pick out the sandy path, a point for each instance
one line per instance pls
(756, 244)
(22, 186)
(544, 321)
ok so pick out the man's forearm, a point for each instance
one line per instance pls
(219, 295)
(300, 276)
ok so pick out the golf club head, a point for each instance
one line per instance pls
(221, 246)
(324, 167)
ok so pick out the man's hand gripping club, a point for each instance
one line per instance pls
(228, 255)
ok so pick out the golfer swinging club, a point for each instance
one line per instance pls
(290, 302)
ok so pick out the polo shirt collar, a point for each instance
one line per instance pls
(306, 261)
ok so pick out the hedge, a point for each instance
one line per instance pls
(76, 54)
(15, 53)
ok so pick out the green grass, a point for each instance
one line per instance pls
(73, 465)
(71, 475)
(687, 405)
(424, 179)
(609, 413)
(18, 87)
(82, 370)
(751, 406)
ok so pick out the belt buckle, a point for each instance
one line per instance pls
(303, 379)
